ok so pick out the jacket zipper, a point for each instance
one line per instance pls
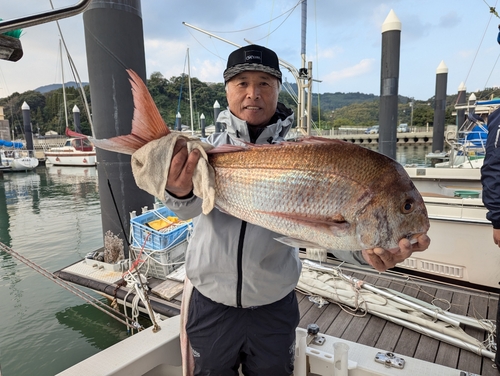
(239, 265)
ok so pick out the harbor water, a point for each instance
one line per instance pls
(52, 216)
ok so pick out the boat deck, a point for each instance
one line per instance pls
(374, 331)
(368, 329)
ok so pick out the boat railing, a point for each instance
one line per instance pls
(468, 142)
(44, 17)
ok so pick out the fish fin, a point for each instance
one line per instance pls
(119, 144)
(147, 123)
(333, 225)
(297, 242)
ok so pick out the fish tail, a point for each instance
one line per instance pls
(147, 123)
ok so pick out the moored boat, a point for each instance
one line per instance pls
(17, 160)
(467, 143)
(77, 151)
(459, 231)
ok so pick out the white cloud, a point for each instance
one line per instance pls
(208, 70)
(361, 68)
(165, 56)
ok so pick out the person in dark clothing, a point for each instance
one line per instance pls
(490, 179)
(490, 174)
(243, 309)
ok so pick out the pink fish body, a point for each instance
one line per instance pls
(316, 192)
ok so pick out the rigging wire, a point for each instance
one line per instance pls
(268, 34)
(76, 76)
(71, 288)
(489, 76)
(492, 9)
(477, 50)
(205, 48)
(269, 28)
(493, 12)
(289, 12)
(317, 62)
(182, 84)
(262, 24)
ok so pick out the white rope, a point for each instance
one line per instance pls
(398, 307)
(138, 286)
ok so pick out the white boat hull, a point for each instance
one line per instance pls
(24, 164)
(151, 354)
(461, 236)
(17, 161)
(71, 158)
(459, 250)
(444, 174)
(75, 152)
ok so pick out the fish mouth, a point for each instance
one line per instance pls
(413, 238)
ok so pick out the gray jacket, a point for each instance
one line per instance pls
(233, 262)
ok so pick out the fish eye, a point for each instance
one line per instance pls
(407, 206)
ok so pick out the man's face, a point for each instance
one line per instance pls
(253, 96)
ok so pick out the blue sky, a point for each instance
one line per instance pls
(343, 41)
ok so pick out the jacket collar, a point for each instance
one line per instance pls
(281, 122)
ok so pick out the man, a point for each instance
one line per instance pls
(243, 308)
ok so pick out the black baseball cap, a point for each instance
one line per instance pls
(252, 58)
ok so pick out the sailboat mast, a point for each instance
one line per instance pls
(190, 96)
(63, 86)
(305, 77)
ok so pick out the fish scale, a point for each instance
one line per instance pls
(284, 202)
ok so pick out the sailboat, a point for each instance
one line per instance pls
(14, 158)
(14, 155)
(77, 149)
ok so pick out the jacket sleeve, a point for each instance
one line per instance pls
(490, 172)
(490, 178)
(185, 208)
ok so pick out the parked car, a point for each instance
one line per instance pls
(403, 128)
(372, 130)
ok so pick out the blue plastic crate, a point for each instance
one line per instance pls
(157, 240)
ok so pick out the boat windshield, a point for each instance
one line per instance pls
(80, 144)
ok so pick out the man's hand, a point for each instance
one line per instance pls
(382, 259)
(182, 166)
(496, 236)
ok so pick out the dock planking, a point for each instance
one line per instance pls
(374, 331)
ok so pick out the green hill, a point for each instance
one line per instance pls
(329, 110)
